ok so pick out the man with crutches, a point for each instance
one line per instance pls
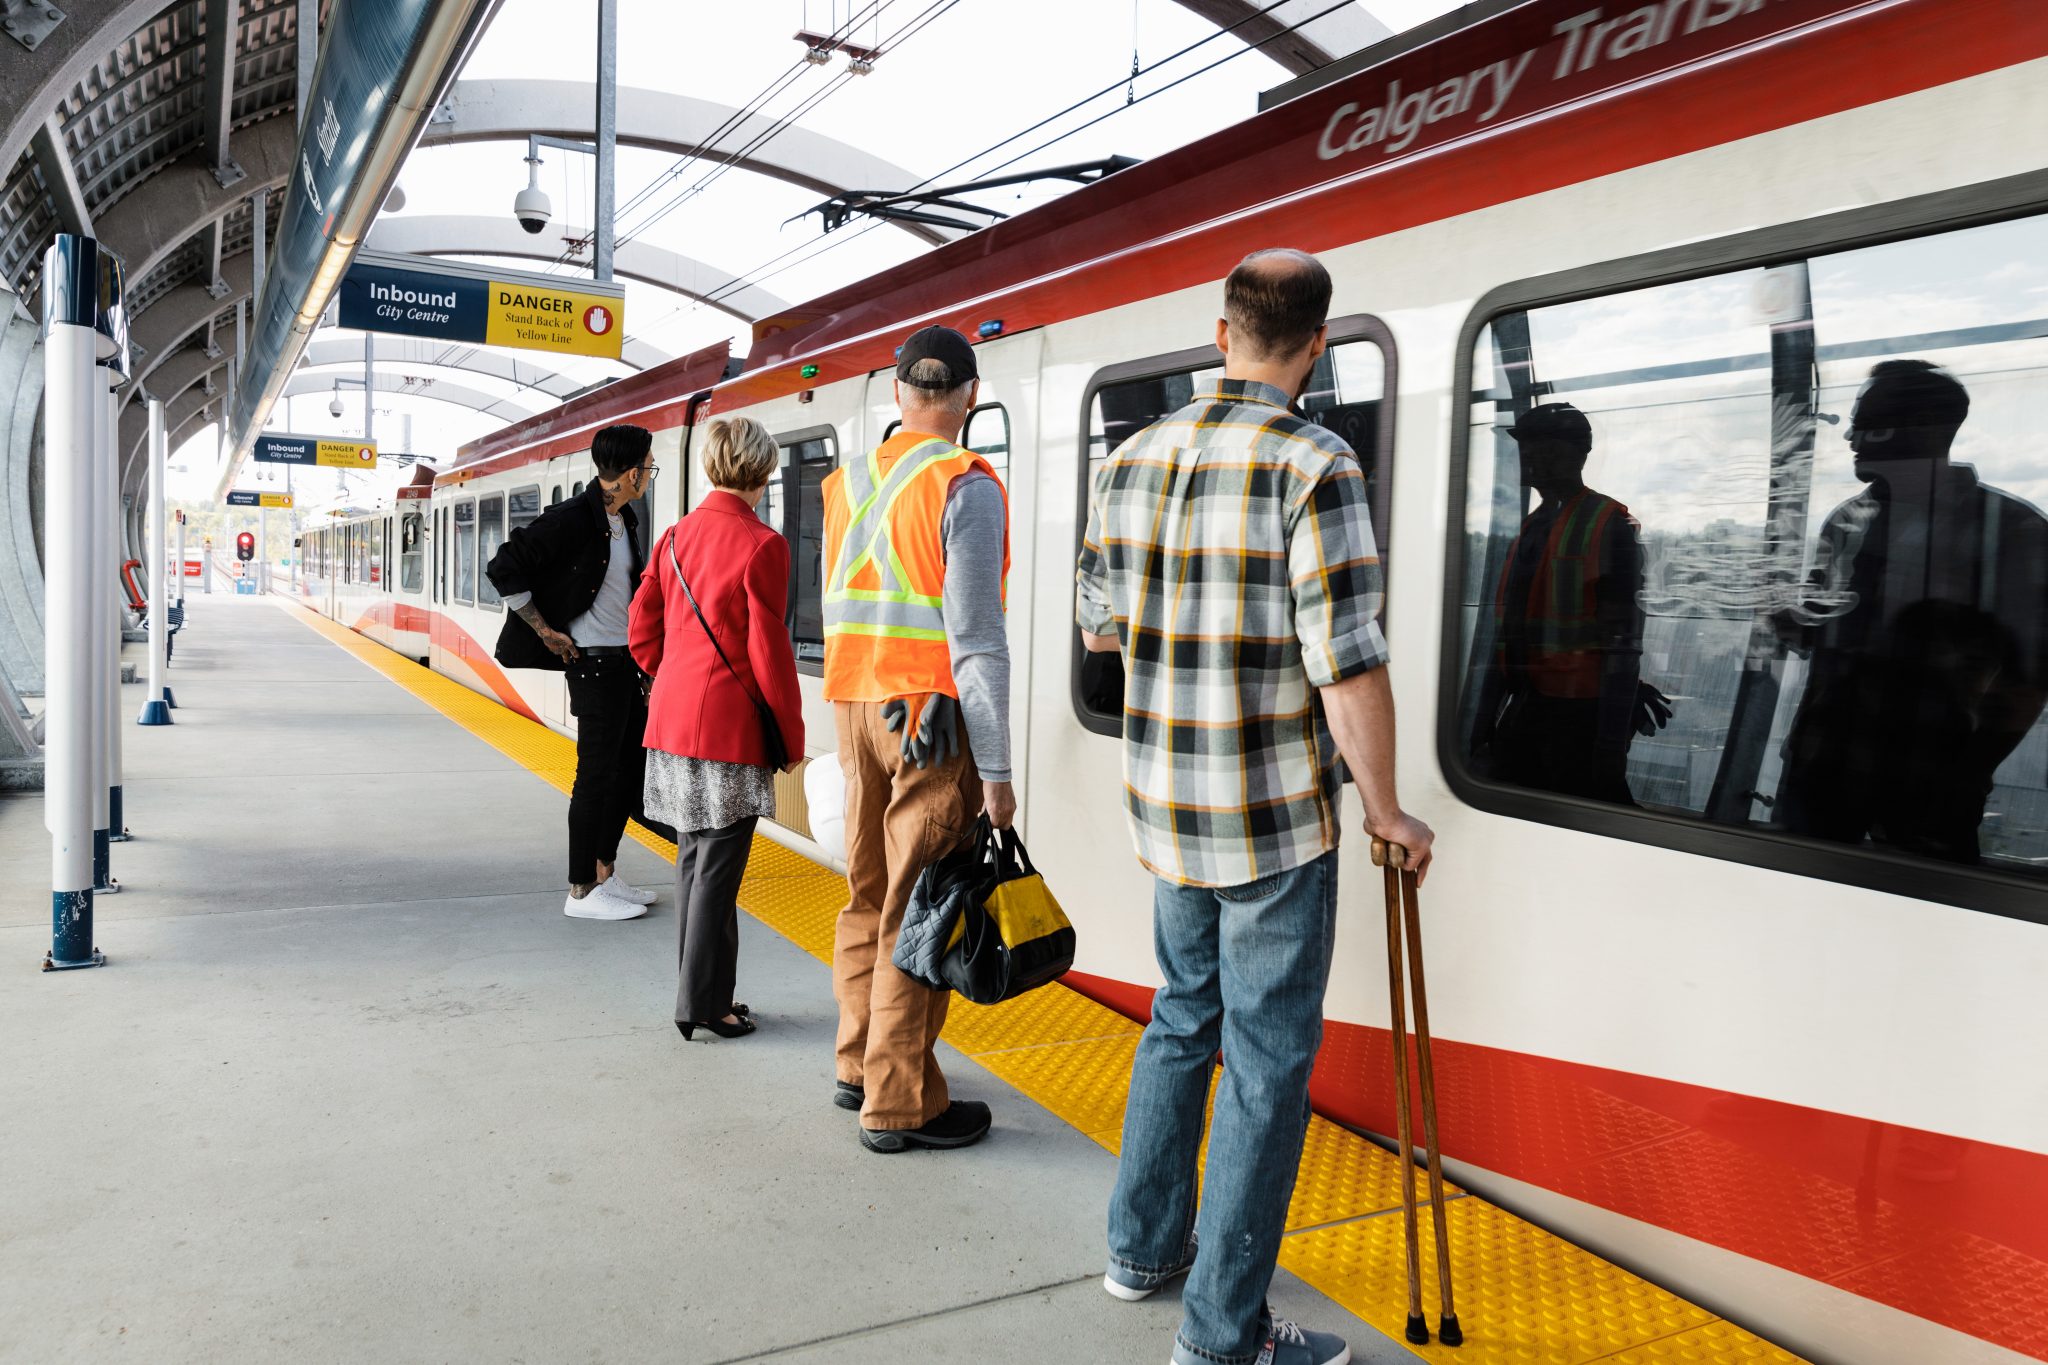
(1230, 558)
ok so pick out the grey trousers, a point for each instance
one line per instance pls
(709, 866)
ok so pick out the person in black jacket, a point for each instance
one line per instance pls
(568, 581)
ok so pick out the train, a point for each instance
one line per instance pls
(1802, 1076)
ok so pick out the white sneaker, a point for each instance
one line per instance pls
(600, 904)
(618, 886)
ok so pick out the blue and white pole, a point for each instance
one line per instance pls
(71, 396)
(155, 711)
(117, 597)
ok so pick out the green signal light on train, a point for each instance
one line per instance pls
(809, 372)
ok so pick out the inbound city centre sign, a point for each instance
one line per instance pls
(276, 447)
(419, 297)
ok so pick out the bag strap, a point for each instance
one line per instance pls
(1011, 857)
(691, 598)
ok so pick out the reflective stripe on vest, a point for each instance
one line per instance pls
(889, 610)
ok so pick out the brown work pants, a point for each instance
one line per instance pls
(899, 818)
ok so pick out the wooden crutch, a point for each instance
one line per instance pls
(1404, 911)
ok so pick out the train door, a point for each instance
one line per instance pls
(1003, 429)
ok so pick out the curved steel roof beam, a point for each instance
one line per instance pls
(1314, 44)
(35, 81)
(190, 408)
(456, 234)
(336, 353)
(507, 110)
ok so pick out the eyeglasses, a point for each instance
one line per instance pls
(651, 470)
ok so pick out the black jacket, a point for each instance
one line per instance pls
(560, 558)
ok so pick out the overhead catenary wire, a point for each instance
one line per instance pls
(925, 17)
(820, 246)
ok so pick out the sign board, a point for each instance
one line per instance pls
(249, 497)
(246, 587)
(277, 448)
(417, 297)
(195, 568)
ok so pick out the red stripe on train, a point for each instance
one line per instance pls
(1947, 1228)
(452, 639)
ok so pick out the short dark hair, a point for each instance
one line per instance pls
(615, 450)
(1275, 300)
(1912, 393)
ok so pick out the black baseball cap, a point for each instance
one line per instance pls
(944, 345)
(1553, 422)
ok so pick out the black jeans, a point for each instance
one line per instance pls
(611, 764)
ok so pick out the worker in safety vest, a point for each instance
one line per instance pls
(917, 550)
(1563, 699)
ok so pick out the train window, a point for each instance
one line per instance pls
(465, 551)
(576, 490)
(988, 435)
(490, 519)
(379, 569)
(554, 495)
(412, 552)
(522, 508)
(795, 506)
(1764, 551)
(1345, 392)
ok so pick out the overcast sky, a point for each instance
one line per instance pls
(956, 78)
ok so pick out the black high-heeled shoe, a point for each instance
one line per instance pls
(717, 1026)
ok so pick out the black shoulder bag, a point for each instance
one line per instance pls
(771, 729)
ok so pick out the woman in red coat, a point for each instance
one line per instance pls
(708, 768)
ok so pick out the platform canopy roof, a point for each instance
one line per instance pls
(162, 129)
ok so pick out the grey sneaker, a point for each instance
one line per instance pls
(1134, 1285)
(1283, 1344)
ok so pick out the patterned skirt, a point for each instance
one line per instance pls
(701, 793)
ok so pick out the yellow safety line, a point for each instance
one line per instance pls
(1523, 1294)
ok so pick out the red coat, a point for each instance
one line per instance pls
(738, 567)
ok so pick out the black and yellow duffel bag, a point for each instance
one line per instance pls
(982, 922)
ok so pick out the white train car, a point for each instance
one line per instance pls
(1804, 1078)
(367, 570)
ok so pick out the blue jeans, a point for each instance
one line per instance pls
(1245, 968)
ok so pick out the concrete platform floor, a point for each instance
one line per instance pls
(354, 1089)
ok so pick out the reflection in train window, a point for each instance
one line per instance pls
(490, 535)
(1343, 393)
(465, 551)
(1765, 550)
(412, 556)
(807, 458)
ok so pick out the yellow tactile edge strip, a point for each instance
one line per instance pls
(1524, 1296)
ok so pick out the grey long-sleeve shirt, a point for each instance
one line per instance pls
(972, 532)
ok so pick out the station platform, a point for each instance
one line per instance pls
(353, 1088)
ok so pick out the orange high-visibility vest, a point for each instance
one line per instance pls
(885, 569)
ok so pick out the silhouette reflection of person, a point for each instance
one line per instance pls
(1559, 705)
(1927, 633)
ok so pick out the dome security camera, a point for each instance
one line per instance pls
(531, 206)
(532, 209)
(334, 406)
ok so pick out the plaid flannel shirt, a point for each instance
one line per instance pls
(1230, 550)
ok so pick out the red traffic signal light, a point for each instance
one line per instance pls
(245, 545)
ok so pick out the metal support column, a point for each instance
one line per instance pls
(116, 599)
(70, 416)
(154, 709)
(259, 258)
(607, 124)
(369, 387)
(263, 549)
